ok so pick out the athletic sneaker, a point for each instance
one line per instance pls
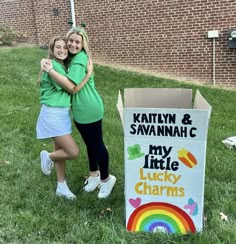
(64, 191)
(92, 183)
(106, 187)
(46, 162)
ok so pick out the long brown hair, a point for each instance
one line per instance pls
(51, 46)
(80, 31)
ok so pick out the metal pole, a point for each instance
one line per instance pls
(73, 12)
(214, 63)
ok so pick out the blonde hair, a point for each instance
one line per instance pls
(51, 55)
(85, 41)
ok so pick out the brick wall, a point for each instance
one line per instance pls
(51, 18)
(161, 36)
(39, 20)
(168, 37)
(19, 15)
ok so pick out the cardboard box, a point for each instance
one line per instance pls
(165, 140)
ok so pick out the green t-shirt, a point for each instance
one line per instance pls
(51, 94)
(87, 105)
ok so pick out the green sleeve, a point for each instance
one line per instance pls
(78, 68)
(59, 69)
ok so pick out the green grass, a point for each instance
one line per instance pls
(29, 210)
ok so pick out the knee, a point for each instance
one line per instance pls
(74, 153)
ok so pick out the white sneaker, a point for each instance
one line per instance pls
(106, 187)
(46, 162)
(64, 191)
(92, 183)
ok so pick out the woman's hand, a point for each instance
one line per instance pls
(90, 67)
(46, 65)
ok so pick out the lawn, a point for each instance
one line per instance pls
(29, 210)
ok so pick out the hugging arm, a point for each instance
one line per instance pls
(62, 80)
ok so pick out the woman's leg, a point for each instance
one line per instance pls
(97, 153)
(98, 157)
(62, 187)
(87, 133)
(68, 149)
(59, 166)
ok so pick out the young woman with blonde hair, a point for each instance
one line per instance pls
(87, 110)
(54, 119)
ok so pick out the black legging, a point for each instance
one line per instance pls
(97, 153)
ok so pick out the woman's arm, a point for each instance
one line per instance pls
(86, 78)
(63, 81)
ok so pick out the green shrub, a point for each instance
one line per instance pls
(9, 36)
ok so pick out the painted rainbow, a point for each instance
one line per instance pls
(160, 216)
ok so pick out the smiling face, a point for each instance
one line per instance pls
(75, 43)
(60, 50)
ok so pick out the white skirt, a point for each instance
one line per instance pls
(53, 122)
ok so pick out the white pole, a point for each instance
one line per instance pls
(214, 63)
(73, 12)
(213, 34)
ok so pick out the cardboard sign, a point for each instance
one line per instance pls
(165, 152)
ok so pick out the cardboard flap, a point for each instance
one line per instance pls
(120, 108)
(201, 103)
(157, 98)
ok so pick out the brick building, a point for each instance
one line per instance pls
(166, 37)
